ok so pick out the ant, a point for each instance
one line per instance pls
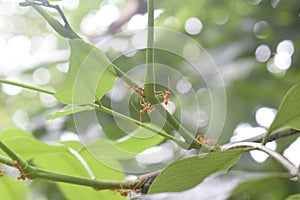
(22, 173)
(125, 193)
(203, 139)
(147, 107)
(122, 192)
(138, 90)
(165, 95)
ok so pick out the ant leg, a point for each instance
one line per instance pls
(159, 94)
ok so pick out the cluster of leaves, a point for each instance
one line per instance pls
(190, 177)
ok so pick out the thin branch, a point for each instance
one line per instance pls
(281, 134)
(6, 161)
(146, 126)
(32, 172)
(274, 136)
(21, 165)
(286, 163)
(150, 178)
(26, 86)
(149, 76)
(266, 138)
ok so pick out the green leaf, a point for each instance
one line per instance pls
(68, 110)
(140, 140)
(294, 197)
(257, 185)
(62, 162)
(69, 164)
(90, 75)
(128, 146)
(26, 145)
(288, 114)
(12, 189)
(219, 185)
(187, 173)
(14, 133)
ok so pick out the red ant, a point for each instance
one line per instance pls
(203, 139)
(138, 90)
(125, 193)
(165, 95)
(122, 192)
(22, 174)
(147, 107)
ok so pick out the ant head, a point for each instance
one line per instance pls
(15, 164)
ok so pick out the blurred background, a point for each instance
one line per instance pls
(255, 44)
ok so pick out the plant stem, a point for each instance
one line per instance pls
(6, 161)
(23, 167)
(149, 76)
(149, 86)
(282, 134)
(26, 86)
(276, 135)
(124, 77)
(265, 138)
(286, 163)
(129, 119)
